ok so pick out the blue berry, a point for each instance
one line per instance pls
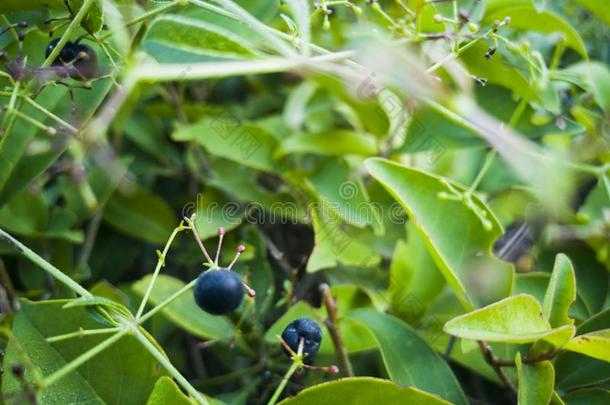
(308, 330)
(218, 291)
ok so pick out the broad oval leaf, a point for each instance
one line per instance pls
(94, 19)
(594, 344)
(406, 355)
(123, 373)
(139, 213)
(334, 142)
(183, 311)
(591, 396)
(561, 293)
(453, 234)
(174, 38)
(226, 136)
(516, 319)
(363, 391)
(536, 381)
(527, 18)
(167, 392)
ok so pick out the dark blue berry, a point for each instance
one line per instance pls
(218, 291)
(308, 330)
(67, 54)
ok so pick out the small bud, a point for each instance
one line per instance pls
(22, 24)
(51, 131)
(251, 293)
(356, 9)
(333, 369)
(438, 18)
(241, 249)
(472, 27)
(17, 370)
(21, 35)
(221, 231)
(326, 23)
(507, 20)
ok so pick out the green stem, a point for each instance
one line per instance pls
(32, 121)
(77, 362)
(169, 366)
(81, 333)
(155, 72)
(42, 263)
(146, 16)
(489, 158)
(76, 20)
(278, 391)
(160, 264)
(166, 302)
(49, 114)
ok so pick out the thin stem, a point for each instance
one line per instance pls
(492, 361)
(169, 366)
(32, 121)
(191, 223)
(49, 114)
(146, 16)
(46, 266)
(221, 235)
(332, 324)
(278, 391)
(89, 354)
(489, 158)
(166, 302)
(155, 72)
(76, 20)
(81, 333)
(160, 264)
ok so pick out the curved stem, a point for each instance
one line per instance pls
(169, 366)
(77, 362)
(167, 301)
(42, 263)
(278, 391)
(81, 333)
(160, 264)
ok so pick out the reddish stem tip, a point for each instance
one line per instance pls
(251, 293)
(241, 249)
(333, 369)
(221, 231)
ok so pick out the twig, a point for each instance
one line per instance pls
(332, 325)
(495, 364)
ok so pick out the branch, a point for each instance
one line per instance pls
(332, 325)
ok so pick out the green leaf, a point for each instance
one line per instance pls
(561, 293)
(497, 71)
(598, 8)
(227, 136)
(363, 391)
(591, 396)
(335, 244)
(414, 277)
(139, 213)
(174, 38)
(594, 344)
(335, 142)
(405, 355)
(526, 18)
(183, 311)
(94, 19)
(10, 6)
(516, 319)
(453, 234)
(536, 381)
(123, 373)
(593, 77)
(167, 392)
